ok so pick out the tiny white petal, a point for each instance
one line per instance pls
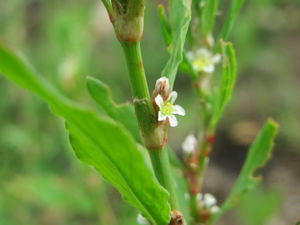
(209, 200)
(190, 55)
(179, 110)
(203, 52)
(216, 58)
(189, 144)
(199, 197)
(209, 69)
(141, 220)
(161, 117)
(214, 209)
(159, 101)
(173, 121)
(172, 97)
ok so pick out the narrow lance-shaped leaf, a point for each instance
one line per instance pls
(258, 155)
(180, 16)
(232, 14)
(100, 142)
(208, 16)
(185, 64)
(164, 24)
(123, 113)
(229, 74)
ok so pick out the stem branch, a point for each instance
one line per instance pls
(162, 169)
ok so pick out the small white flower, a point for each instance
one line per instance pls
(167, 110)
(189, 144)
(207, 200)
(214, 209)
(204, 60)
(142, 220)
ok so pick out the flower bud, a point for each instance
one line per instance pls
(162, 87)
(189, 144)
(142, 220)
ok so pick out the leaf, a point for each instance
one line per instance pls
(100, 142)
(208, 16)
(257, 157)
(252, 213)
(229, 74)
(124, 113)
(180, 16)
(164, 24)
(185, 65)
(230, 18)
(181, 193)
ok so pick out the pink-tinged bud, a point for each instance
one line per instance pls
(162, 87)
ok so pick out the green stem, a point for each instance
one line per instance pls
(162, 169)
(194, 211)
(135, 66)
(144, 112)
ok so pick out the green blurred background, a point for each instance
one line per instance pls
(42, 182)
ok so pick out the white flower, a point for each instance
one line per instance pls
(189, 144)
(207, 200)
(204, 60)
(214, 209)
(167, 110)
(142, 220)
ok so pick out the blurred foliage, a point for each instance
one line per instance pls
(41, 182)
(250, 212)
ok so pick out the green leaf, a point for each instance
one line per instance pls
(123, 113)
(185, 65)
(164, 24)
(100, 142)
(180, 16)
(208, 16)
(229, 74)
(252, 213)
(230, 18)
(257, 157)
(181, 193)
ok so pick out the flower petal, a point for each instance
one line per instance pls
(173, 121)
(172, 97)
(216, 58)
(203, 52)
(209, 200)
(189, 144)
(190, 55)
(179, 110)
(141, 220)
(214, 209)
(161, 117)
(209, 69)
(159, 100)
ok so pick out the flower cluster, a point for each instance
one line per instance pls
(189, 144)
(208, 202)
